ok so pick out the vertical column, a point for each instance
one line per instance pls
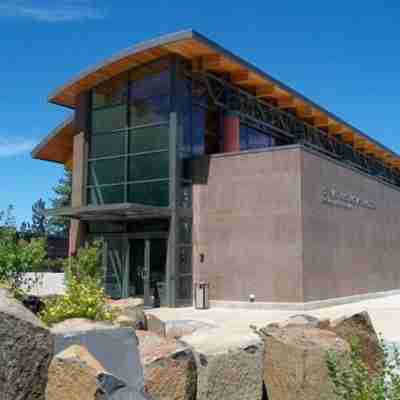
(231, 131)
(77, 234)
(79, 157)
(173, 200)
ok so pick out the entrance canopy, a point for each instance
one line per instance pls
(112, 212)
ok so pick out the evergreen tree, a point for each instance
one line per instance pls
(7, 219)
(63, 190)
(25, 230)
(39, 220)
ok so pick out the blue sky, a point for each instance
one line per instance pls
(343, 55)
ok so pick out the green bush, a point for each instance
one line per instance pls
(355, 383)
(85, 296)
(83, 299)
(86, 264)
(52, 265)
(17, 256)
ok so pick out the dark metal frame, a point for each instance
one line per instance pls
(174, 212)
(284, 125)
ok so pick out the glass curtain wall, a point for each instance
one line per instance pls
(192, 113)
(251, 138)
(129, 138)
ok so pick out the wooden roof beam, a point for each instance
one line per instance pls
(387, 158)
(347, 137)
(359, 144)
(265, 91)
(304, 111)
(212, 61)
(321, 121)
(335, 129)
(286, 102)
(240, 77)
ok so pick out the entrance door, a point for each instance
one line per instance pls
(137, 269)
(147, 270)
(157, 262)
(115, 267)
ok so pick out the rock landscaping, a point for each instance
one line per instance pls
(360, 326)
(115, 347)
(295, 362)
(229, 365)
(169, 367)
(140, 356)
(26, 349)
(130, 312)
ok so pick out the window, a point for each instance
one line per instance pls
(102, 172)
(251, 138)
(106, 195)
(148, 139)
(149, 166)
(129, 141)
(109, 105)
(150, 193)
(148, 110)
(110, 93)
(109, 119)
(149, 94)
(198, 129)
(104, 145)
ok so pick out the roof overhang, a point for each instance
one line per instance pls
(111, 212)
(58, 145)
(194, 46)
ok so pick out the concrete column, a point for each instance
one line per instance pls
(231, 127)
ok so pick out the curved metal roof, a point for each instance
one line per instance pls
(192, 45)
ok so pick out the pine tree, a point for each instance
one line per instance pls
(39, 220)
(63, 190)
(25, 230)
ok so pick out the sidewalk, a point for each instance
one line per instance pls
(384, 312)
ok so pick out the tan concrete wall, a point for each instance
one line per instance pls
(348, 251)
(247, 223)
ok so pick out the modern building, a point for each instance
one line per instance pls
(193, 165)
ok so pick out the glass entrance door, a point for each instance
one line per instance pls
(115, 273)
(147, 270)
(137, 268)
(157, 262)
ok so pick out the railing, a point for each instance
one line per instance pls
(265, 117)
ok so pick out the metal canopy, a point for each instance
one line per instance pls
(114, 212)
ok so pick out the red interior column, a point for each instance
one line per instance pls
(231, 132)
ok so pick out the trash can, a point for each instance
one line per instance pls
(202, 301)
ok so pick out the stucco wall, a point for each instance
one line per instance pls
(348, 251)
(247, 223)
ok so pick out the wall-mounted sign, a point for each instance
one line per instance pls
(345, 200)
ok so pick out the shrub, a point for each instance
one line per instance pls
(52, 265)
(17, 256)
(354, 382)
(85, 296)
(83, 299)
(86, 264)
